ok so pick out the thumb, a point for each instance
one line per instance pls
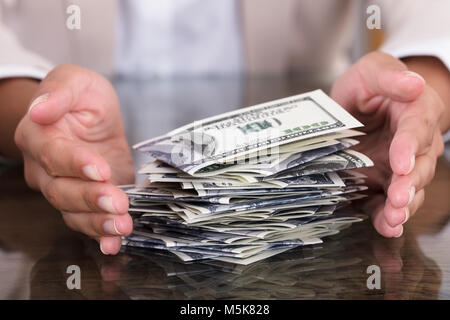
(49, 105)
(57, 94)
(376, 75)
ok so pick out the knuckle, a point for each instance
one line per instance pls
(97, 225)
(129, 175)
(128, 223)
(426, 123)
(370, 56)
(440, 145)
(438, 105)
(431, 171)
(433, 168)
(89, 198)
(362, 63)
(63, 69)
(423, 198)
(19, 136)
(439, 108)
(425, 128)
(428, 140)
(51, 193)
(67, 218)
(46, 155)
(82, 75)
(30, 177)
(431, 174)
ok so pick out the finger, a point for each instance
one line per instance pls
(110, 245)
(398, 216)
(62, 157)
(415, 205)
(58, 93)
(414, 133)
(376, 74)
(99, 224)
(70, 88)
(32, 172)
(78, 196)
(402, 188)
(50, 104)
(382, 226)
(110, 269)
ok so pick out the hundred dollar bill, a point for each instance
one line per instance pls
(269, 202)
(294, 160)
(255, 191)
(214, 235)
(175, 177)
(297, 146)
(233, 251)
(325, 180)
(157, 167)
(248, 130)
(266, 161)
(255, 164)
(342, 160)
(238, 243)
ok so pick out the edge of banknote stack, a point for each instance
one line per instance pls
(249, 184)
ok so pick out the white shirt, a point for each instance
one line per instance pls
(162, 37)
(173, 38)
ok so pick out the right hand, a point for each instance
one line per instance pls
(402, 116)
(75, 152)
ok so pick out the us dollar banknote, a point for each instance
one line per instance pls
(249, 130)
(249, 184)
(342, 160)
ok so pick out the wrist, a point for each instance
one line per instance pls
(15, 95)
(437, 76)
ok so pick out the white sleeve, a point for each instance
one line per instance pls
(416, 28)
(22, 71)
(15, 61)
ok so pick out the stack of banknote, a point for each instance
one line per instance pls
(249, 184)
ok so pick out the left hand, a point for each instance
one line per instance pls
(401, 114)
(75, 152)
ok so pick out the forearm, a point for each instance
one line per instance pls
(437, 76)
(15, 96)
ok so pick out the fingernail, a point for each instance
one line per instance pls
(38, 100)
(106, 204)
(101, 249)
(413, 74)
(412, 192)
(412, 162)
(406, 215)
(110, 227)
(91, 172)
(401, 233)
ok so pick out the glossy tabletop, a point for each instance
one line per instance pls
(36, 248)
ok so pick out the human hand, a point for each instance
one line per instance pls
(401, 115)
(75, 152)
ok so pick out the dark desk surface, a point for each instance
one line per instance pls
(36, 247)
